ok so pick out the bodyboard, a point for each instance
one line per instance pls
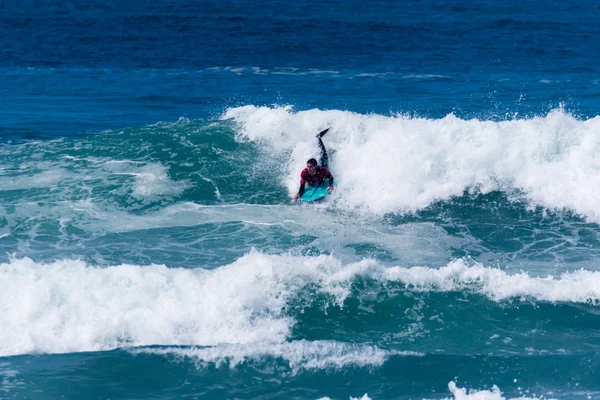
(315, 193)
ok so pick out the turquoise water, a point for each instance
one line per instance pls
(149, 247)
(168, 260)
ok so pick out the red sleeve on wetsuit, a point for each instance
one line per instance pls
(303, 177)
(302, 181)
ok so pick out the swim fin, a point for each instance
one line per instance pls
(322, 133)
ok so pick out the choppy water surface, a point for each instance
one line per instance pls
(150, 248)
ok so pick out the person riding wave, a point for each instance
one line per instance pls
(314, 174)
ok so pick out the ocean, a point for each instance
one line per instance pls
(150, 248)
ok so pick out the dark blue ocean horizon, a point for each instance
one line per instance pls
(81, 66)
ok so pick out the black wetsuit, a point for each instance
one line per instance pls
(322, 171)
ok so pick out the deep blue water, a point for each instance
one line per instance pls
(70, 67)
(149, 152)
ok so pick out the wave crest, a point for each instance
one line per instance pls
(399, 163)
(68, 306)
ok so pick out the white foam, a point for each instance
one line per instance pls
(151, 180)
(241, 71)
(581, 286)
(410, 242)
(299, 355)
(28, 180)
(398, 163)
(70, 176)
(465, 394)
(364, 397)
(217, 192)
(9, 380)
(494, 394)
(292, 71)
(68, 306)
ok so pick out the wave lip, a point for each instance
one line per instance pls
(402, 164)
(69, 306)
(581, 286)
